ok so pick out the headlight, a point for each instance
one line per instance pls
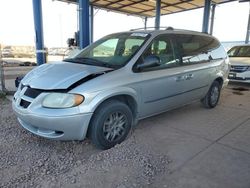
(62, 100)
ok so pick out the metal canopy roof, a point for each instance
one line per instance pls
(146, 8)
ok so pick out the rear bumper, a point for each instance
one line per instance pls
(71, 127)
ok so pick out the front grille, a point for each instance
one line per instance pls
(22, 86)
(240, 78)
(29, 95)
(236, 68)
(24, 103)
(33, 93)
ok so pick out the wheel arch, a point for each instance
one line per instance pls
(220, 80)
(124, 94)
(125, 98)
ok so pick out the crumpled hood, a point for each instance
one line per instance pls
(240, 61)
(60, 75)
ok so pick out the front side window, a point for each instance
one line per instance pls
(112, 51)
(162, 48)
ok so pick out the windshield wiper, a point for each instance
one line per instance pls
(73, 60)
(89, 61)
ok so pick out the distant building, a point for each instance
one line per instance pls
(18, 51)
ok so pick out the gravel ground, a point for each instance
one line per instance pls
(30, 161)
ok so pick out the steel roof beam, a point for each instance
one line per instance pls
(134, 3)
(166, 5)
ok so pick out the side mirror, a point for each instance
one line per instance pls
(149, 62)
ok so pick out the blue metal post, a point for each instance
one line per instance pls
(38, 23)
(84, 25)
(157, 14)
(212, 19)
(206, 13)
(91, 23)
(248, 27)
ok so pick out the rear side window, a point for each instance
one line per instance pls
(194, 49)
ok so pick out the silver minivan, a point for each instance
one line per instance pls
(104, 90)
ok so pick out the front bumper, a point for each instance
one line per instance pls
(239, 74)
(225, 83)
(65, 127)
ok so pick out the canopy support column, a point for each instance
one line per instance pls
(38, 23)
(157, 14)
(145, 22)
(248, 27)
(212, 19)
(84, 25)
(91, 23)
(206, 13)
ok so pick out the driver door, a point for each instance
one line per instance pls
(163, 84)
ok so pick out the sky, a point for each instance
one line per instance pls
(60, 22)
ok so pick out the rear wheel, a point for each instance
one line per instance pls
(111, 124)
(213, 95)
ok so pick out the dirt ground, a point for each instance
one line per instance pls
(30, 161)
(188, 147)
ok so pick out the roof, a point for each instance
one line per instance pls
(166, 30)
(146, 8)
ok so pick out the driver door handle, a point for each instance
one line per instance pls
(185, 77)
(179, 78)
(189, 76)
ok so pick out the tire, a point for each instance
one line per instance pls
(111, 124)
(213, 95)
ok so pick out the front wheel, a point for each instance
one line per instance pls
(111, 124)
(213, 95)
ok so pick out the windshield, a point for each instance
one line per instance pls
(239, 51)
(112, 51)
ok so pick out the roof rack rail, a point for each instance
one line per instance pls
(143, 28)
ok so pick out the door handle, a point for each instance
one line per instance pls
(189, 76)
(180, 78)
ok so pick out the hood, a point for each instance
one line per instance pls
(60, 75)
(239, 60)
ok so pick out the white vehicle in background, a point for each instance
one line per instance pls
(240, 63)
